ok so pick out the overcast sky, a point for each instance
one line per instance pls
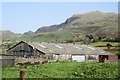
(24, 16)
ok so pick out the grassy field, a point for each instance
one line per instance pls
(65, 70)
(104, 44)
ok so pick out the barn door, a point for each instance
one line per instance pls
(78, 58)
(102, 58)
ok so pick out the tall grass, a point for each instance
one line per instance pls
(66, 70)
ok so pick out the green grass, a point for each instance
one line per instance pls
(65, 70)
(116, 52)
(47, 37)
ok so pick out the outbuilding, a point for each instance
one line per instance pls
(7, 60)
(55, 52)
(110, 58)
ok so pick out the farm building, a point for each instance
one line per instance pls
(7, 60)
(72, 52)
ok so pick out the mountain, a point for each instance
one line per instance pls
(7, 34)
(48, 28)
(87, 23)
(96, 23)
(28, 33)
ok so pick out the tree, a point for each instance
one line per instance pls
(88, 39)
(108, 45)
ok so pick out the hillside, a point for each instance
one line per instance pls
(28, 33)
(76, 27)
(87, 23)
(7, 34)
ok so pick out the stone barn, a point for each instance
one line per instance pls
(24, 49)
(7, 60)
(55, 52)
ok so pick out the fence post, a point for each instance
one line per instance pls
(22, 74)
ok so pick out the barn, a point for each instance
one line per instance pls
(25, 49)
(55, 52)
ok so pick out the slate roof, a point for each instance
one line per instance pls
(52, 48)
